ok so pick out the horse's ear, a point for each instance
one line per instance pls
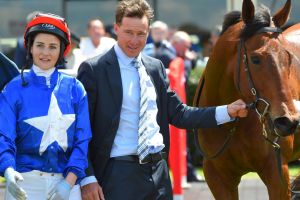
(248, 11)
(282, 15)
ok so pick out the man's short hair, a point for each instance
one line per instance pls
(133, 8)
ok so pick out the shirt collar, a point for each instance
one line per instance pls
(123, 58)
(41, 72)
(44, 80)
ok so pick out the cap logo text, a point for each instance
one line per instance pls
(48, 26)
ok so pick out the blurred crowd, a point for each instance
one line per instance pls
(164, 43)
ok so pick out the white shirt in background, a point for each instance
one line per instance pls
(89, 50)
(74, 60)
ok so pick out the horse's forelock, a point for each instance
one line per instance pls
(262, 19)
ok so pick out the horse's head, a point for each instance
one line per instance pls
(261, 64)
(265, 70)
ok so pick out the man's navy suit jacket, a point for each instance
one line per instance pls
(102, 80)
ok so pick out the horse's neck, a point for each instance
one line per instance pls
(292, 35)
(220, 70)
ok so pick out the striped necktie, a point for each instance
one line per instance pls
(143, 149)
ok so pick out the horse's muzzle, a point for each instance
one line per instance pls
(285, 126)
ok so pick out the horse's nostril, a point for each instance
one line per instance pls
(285, 125)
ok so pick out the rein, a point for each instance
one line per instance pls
(196, 138)
(263, 115)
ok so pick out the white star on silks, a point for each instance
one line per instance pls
(54, 126)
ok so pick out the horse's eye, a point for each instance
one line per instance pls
(255, 60)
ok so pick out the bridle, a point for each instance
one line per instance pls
(252, 89)
(264, 113)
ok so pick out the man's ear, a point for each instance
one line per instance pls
(116, 28)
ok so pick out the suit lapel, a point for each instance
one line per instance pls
(147, 65)
(114, 77)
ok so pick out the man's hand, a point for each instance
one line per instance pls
(61, 191)
(237, 109)
(92, 191)
(12, 177)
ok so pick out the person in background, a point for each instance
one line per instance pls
(74, 57)
(208, 42)
(44, 120)
(96, 43)
(160, 47)
(20, 51)
(110, 32)
(181, 42)
(215, 34)
(131, 106)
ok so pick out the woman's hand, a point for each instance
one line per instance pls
(12, 177)
(63, 189)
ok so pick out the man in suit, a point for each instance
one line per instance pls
(114, 91)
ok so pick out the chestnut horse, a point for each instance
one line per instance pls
(255, 61)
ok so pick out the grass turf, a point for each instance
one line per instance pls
(293, 170)
(2, 180)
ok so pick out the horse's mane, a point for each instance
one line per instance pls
(261, 19)
(230, 19)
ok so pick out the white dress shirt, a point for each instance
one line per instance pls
(126, 140)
